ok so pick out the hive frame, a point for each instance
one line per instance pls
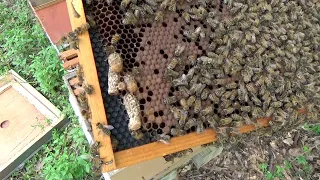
(142, 153)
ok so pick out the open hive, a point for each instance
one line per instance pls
(249, 64)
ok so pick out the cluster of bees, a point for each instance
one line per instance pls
(263, 61)
(149, 10)
(72, 37)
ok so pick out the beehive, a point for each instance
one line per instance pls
(148, 47)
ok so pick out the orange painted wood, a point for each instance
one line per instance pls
(95, 101)
(71, 63)
(69, 54)
(54, 19)
(153, 150)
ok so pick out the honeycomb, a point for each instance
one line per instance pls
(149, 47)
(237, 57)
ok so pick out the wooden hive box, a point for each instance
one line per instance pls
(123, 158)
(27, 120)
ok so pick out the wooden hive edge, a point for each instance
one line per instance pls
(95, 101)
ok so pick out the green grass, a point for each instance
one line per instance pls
(26, 49)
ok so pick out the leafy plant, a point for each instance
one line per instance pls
(278, 173)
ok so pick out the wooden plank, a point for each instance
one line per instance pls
(153, 150)
(69, 54)
(70, 63)
(74, 81)
(95, 101)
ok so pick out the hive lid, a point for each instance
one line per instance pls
(26, 119)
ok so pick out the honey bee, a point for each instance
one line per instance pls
(192, 59)
(257, 112)
(114, 143)
(184, 91)
(186, 16)
(212, 120)
(110, 49)
(200, 127)
(236, 117)
(182, 81)
(87, 88)
(270, 111)
(81, 29)
(164, 4)
(232, 85)
(197, 105)
(129, 18)
(251, 88)
(176, 132)
(170, 74)
(170, 100)
(225, 121)
(206, 81)
(173, 63)
(172, 5)
(115, 39)
(147, 8)
(276, 104)
(225, 103)
(90, 20)
(228, 110)
(94, 148)
(212, 97)
(190, 122)
(207, 110)
(245, 108)
(205, 93)
(96, 165)
(184, 104)
(246, 118)
(106, 129)
(163, 138)
(137, 134)
(212, 22)
(256, 100)
(159, 15)
(183, 118)
(176, 112)
(115, 62)
(191, 100)
(179, 50)
(220, 91)
(124, 4)
(194, 80)
(131, 83)
(197, 89)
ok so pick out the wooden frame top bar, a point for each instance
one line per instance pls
(95, 101)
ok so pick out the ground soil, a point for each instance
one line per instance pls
(263, 155)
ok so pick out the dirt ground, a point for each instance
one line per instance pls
(263, 155)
